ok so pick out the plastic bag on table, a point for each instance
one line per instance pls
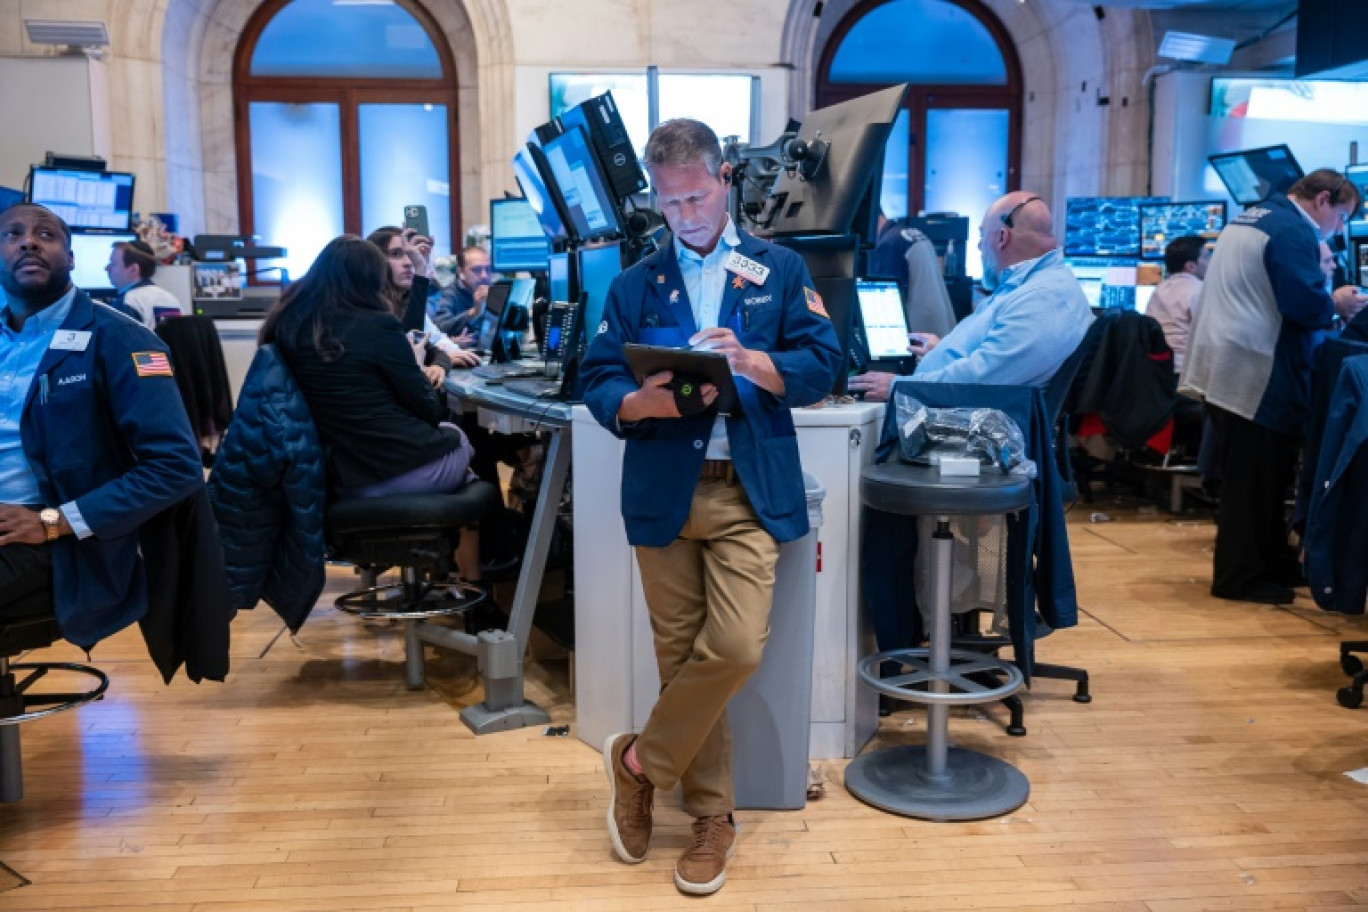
(925, 435)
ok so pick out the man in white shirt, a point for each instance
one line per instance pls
(1186, 260)
(131, 267)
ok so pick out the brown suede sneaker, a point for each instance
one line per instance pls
(702, 869)
(629, 803)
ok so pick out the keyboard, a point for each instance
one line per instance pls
(505, 371)
(540, 388)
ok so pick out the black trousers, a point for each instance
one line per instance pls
(1257, 467)
(25, 580)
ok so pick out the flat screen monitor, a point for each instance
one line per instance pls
(598, 266)
(1104, 226)
(533, 183)
(559, 285)
(881, 313)
(1143, 293)
(1358, 174)
(1161, 223)
(1256, 174)
(584, 195)
(516, 239)
(843, 175)
(91, 255)
(102, 200)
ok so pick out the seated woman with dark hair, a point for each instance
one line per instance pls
(379, 418)
(407, 292)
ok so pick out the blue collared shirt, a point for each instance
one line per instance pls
(20, 354)
(1021, 334)
(705, 281)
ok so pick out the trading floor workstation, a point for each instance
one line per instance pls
(963, 532)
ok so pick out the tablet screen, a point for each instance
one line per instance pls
(885, 324)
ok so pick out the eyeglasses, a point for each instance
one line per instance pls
(1007, 219)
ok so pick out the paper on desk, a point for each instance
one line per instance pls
(1359, 775)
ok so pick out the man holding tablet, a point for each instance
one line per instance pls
(707, 499)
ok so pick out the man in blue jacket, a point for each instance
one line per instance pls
(1262, 311)
(94, 440)
(707, 499)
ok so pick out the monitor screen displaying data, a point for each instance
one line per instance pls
(516, 239)
(591, 210)
(598, 266)
(85, 199)
(1104, 226)
(91, 253)
(1161, 223)
(885, 323)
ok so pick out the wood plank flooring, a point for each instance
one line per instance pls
(1207, 774)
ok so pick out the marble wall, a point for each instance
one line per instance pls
(170, 81)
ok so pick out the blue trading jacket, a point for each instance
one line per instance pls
(1337, 521)
(1039, 567)
(119, 445)
(648, 304)
(268, 489)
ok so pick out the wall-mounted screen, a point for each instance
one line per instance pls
(84, 199)
(1161, 223)
(1104, 226)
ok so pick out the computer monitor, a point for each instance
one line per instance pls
(598, 266)
(560, 284)
(883, 318)
(511, 301)
(1104, 226)
(1256, 174)
(102, 200)
(91, 254)
(1143, 293)
(1161, 223)
(516, 240)
(1358, 175)
(830, 189)
(584, 195)
(531, 178)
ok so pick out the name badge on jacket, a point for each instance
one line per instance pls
(74, 340)
(746, 268)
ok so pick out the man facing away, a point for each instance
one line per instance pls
(1034, 318)
(706, 499)
(1264, 305)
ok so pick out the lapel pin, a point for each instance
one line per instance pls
(674, 296)
(738, 283)
(660, 279)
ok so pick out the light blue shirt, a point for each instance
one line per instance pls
(705, 281)
(20, 354)
(1020, 335)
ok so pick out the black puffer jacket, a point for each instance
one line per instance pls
(1130, 383)
(268, 489)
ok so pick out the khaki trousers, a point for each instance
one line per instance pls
(709, 594)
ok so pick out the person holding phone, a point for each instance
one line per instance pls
(406, 291)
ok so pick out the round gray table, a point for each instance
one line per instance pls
(935, 781)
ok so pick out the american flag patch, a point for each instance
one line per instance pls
(815, 303)
(151, 364)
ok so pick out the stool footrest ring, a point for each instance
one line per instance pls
(914, 686)
(68, 700)
(393, 602)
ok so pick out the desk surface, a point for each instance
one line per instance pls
(553, 413)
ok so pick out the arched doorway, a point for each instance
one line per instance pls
(343, 115)
(956, 146)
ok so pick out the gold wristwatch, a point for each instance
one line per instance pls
(52, 522)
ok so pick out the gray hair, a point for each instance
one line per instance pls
(683, 141)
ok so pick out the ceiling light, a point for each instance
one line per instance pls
(1194, 48)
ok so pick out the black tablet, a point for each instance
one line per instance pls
(703, 366)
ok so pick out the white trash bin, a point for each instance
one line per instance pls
(771, 716)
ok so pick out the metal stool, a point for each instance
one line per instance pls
(934, 781)
(18, 704)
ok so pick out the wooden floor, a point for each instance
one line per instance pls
(1206, 774)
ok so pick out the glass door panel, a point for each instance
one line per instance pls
(966, 166)
(296, 178)
(405, 161)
